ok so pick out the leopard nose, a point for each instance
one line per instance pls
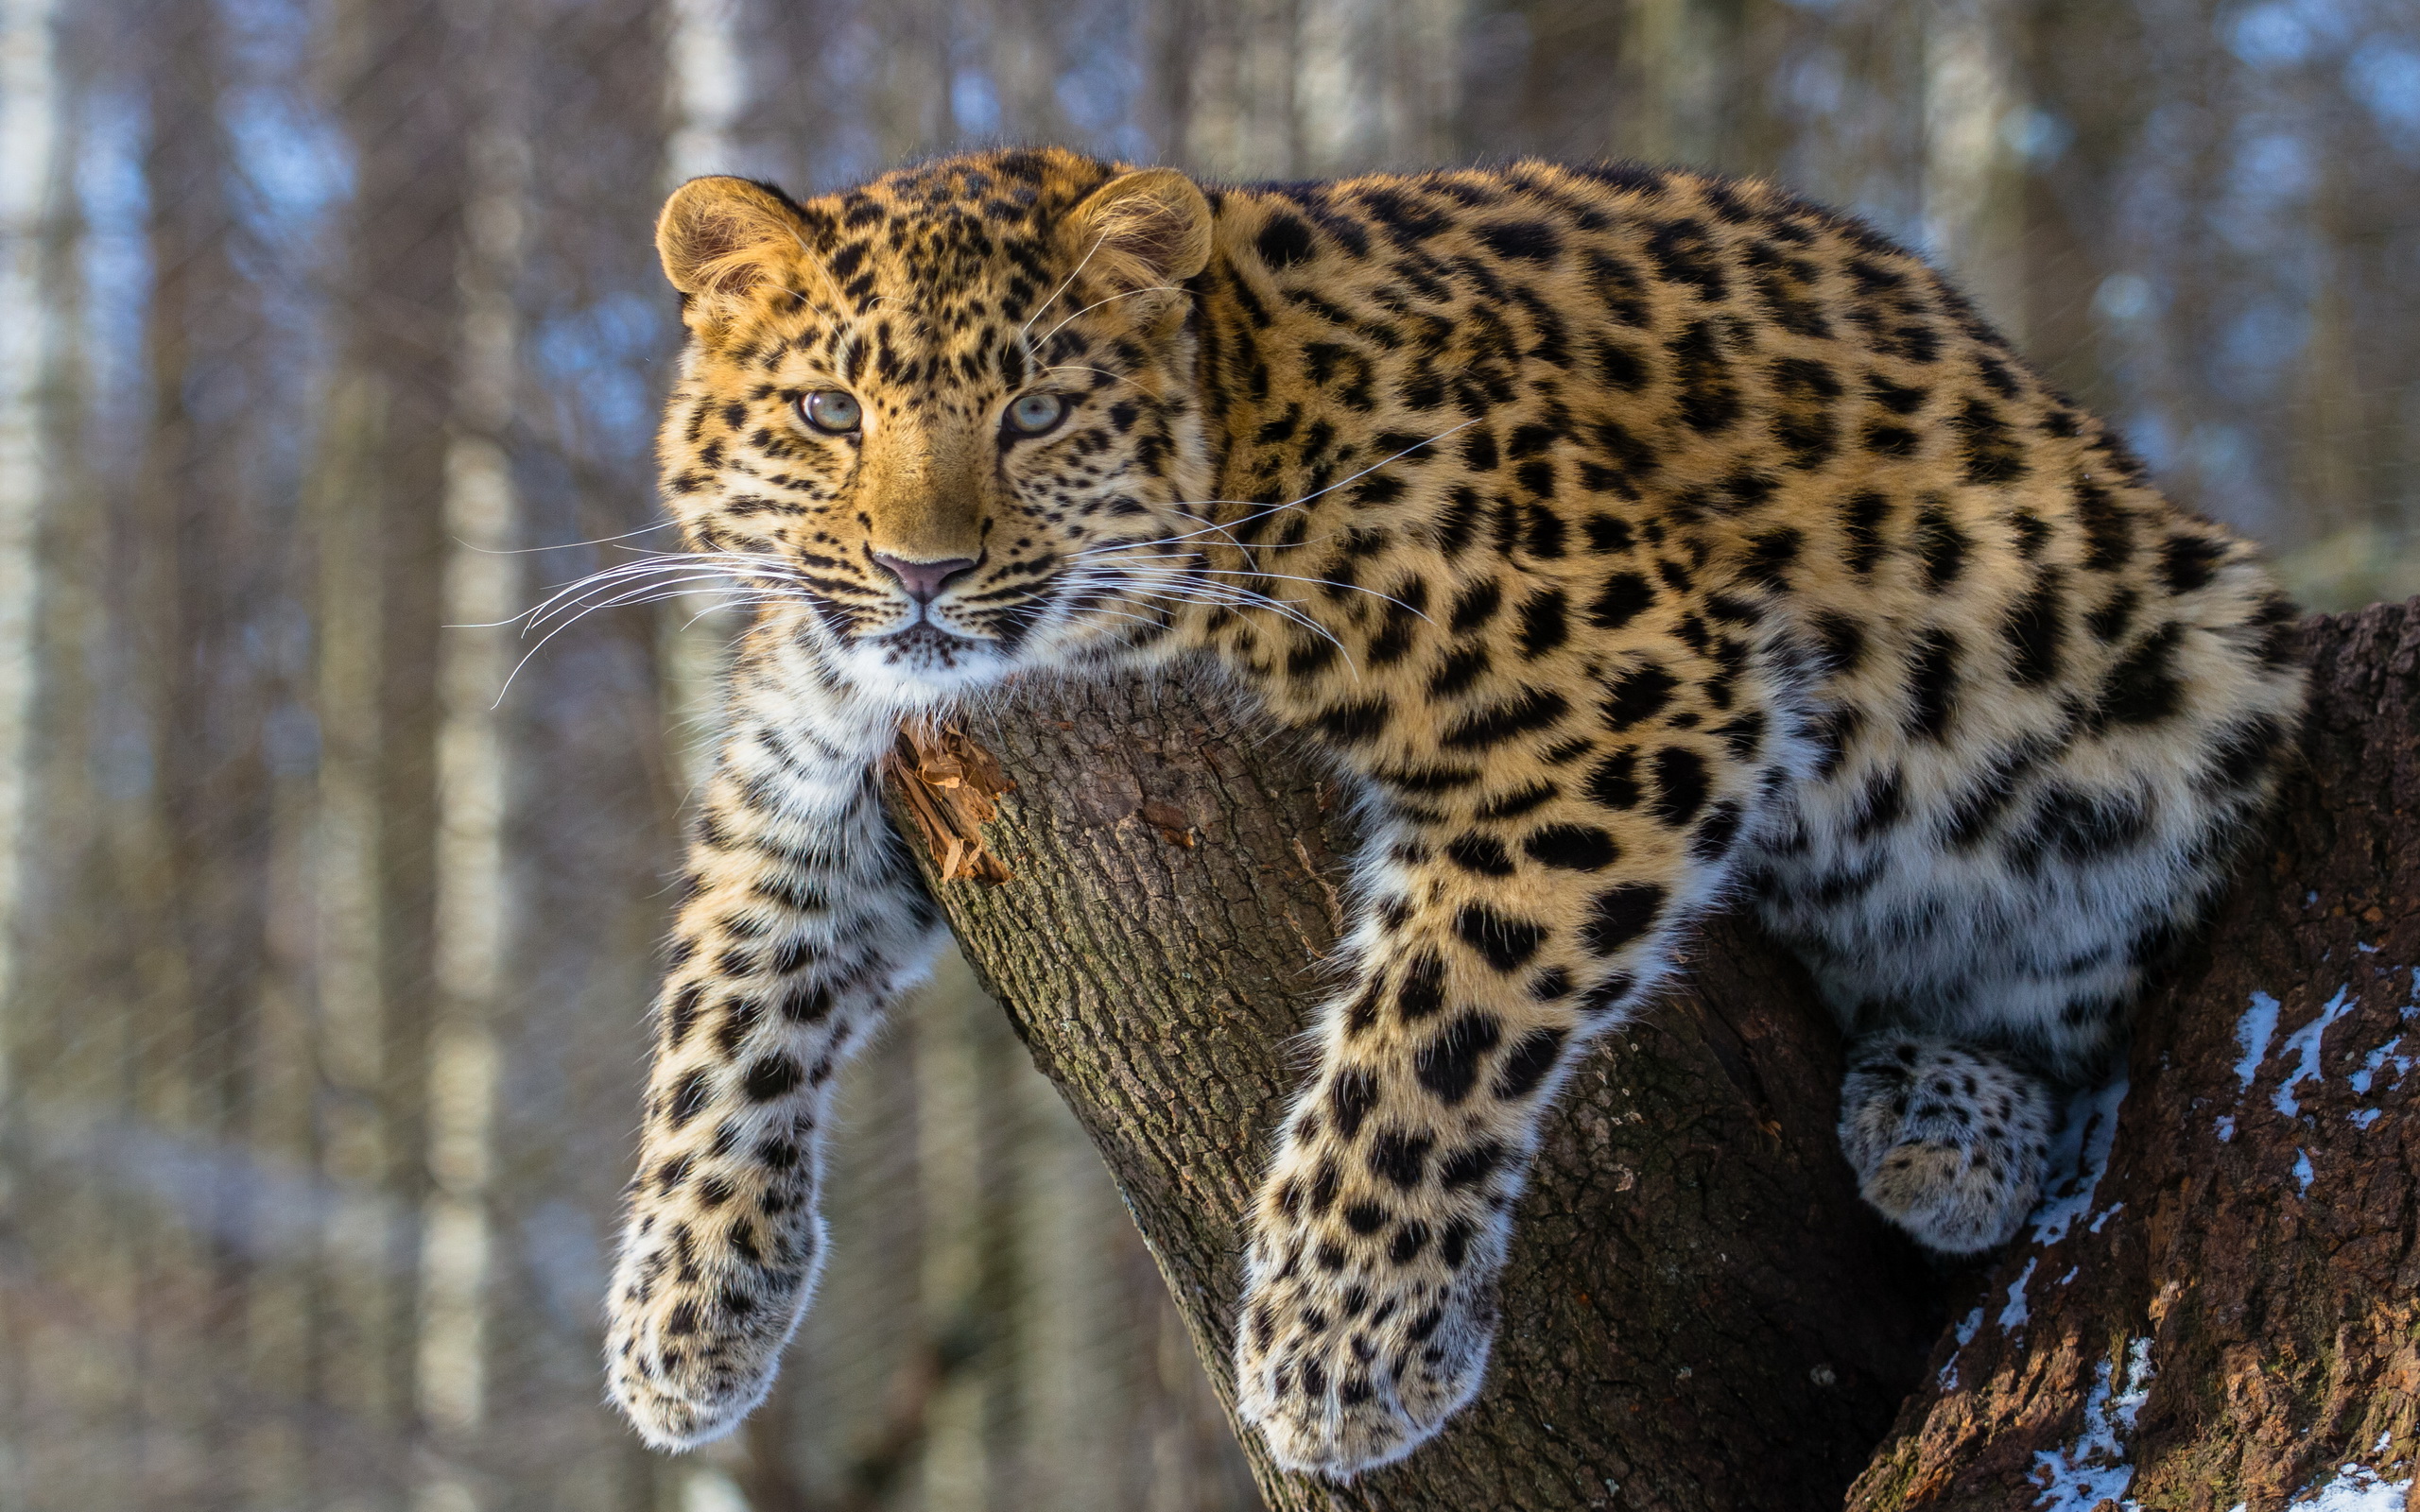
(923, 580)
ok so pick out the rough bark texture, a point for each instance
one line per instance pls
(2242, 1323)
(1699, 1313)
(2216, 1306)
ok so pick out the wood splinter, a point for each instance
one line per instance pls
(951, 787)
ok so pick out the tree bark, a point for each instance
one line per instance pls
(1699, 1313)
(2228, 1316)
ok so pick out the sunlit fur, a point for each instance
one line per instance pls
(1086, 535)
(1627, 540)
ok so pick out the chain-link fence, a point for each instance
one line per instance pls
(328, 324)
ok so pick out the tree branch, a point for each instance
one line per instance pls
(2227, 1315)
(1699, 1313)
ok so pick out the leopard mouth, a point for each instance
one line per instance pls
(926, 637)
(983, 637)
(918, 628)
(925, 650)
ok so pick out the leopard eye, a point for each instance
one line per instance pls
(1033, 414)
(832, 412)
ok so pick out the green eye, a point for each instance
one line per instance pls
(1033, 414)
(831, 411)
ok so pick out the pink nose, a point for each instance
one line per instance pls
(924, 579)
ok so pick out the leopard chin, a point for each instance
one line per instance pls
(922, 666)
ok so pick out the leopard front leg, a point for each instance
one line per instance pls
(804, 918)
(1487, 960)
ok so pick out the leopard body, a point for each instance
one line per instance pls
(1630, 538)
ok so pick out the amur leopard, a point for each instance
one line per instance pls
(1629, 538)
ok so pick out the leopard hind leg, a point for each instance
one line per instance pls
(1979, 985)
(1947, 1140)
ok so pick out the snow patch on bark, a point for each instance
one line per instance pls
(2251, 1031)
(2383, 1061)
(2305, 1044)
(1967, 1328)
(2015, 1315)
(2078, 1161)
(2376, 1061)
(2355, 1489)
(2094, 1469)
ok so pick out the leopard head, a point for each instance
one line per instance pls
(947, 423)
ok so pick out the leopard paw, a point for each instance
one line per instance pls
(694, 1337)
(1343, 1370)
(1948, 1141)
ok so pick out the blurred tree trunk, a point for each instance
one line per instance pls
(1681, 103)
(1974, 201)
(199, 598)
(2074, 67)
(959, 1075)
(475, 907)
(2226, 1315)
(29, 342)
(30, 353)
(357, 1317)
(1176, 886)
(390, 72)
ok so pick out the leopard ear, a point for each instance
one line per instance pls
(1144, 229)
(721, 236)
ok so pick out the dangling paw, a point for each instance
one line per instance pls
(1352, 1351)
(698, 1314)
(1947, 1142)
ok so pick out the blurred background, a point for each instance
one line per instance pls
(325, 324)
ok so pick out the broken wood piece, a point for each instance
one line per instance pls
(951, 788)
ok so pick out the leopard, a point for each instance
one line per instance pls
(1629, 541)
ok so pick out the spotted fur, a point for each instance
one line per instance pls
(1630, 538)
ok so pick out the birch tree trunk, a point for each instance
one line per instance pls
(374, 512)
(29, 118)
(475, 904)
(28, 126)
(1699, 1313)
(1973, 208)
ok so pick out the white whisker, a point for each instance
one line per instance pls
(633, 594)
(1384, 460)
(1155, 288)
(755, 579)
(666, 564)
(613, 581)
(1077, 366)
(566, 545)
(1108, 554)
(1076, 272)
(1215, 594)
